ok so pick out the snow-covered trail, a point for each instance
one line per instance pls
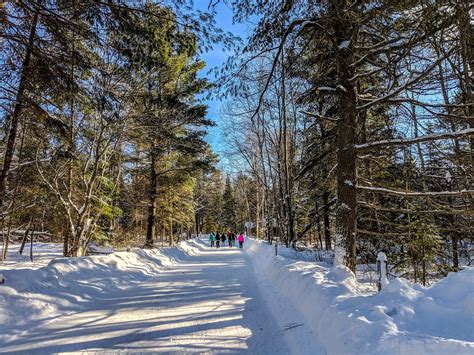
(210, 302)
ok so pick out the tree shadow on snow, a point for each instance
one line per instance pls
(194, 307)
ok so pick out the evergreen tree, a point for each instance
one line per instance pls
(359, 74)
(167, 114)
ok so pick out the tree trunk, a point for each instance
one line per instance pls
(66, 239)
(150, 230)
(457, 151)
(196, 217)
(257, 215)
(81, 235)
(286, 164)
(455, 242)
(415, 269)
(163, 233)
(423, 267)
(71, 145)
(6, 241)
(15, 118)
(23, 241)
(345, 241)
(466, 31)
(318, 228)
(327, 225)
(171, 233)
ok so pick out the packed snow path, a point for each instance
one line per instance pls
(209, 302)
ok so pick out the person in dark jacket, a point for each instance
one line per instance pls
(232, 239)
(223, 238)
(218, 239)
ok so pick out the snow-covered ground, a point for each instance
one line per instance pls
(350, 318)
(366, 273)
(42, 255)
(196, 299)
(185, 299)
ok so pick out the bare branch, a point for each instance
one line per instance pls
(413, 193)
(426, 138)
(315, 115)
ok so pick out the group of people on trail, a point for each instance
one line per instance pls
(218, 238)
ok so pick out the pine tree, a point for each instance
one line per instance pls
(167, 113)
(360, 66)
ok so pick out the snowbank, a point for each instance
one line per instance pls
(348, 318)
(42, 255)
(31, 294)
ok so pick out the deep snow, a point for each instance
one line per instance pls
(196, 299)
(350, 318)
(185, 299)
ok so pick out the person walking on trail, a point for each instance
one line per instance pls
(212, 238)
(232, 239)
(241, 239)
(223, 238)
(218, 239)
(229, 240)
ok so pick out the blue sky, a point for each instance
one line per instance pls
(215, 58)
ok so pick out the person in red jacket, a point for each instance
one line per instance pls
(241, 239)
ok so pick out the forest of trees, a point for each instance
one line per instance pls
(349, 126)
(353, 121)
(103, 132)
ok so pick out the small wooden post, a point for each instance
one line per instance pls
(382, 271)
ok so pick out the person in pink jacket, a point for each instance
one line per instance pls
(241, 239)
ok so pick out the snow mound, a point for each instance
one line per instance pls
(31, 295)
(190, 247)
(349, 318)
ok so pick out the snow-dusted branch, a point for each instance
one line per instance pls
(414, 193)
(30, 162)
(446, 211)
(426, 138)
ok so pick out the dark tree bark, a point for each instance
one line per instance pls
(171, 241)
(15, 117)
(286, 164)
(347, 137)
(327, 225)
(198, 230)
(152, 192)
(23, 241)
